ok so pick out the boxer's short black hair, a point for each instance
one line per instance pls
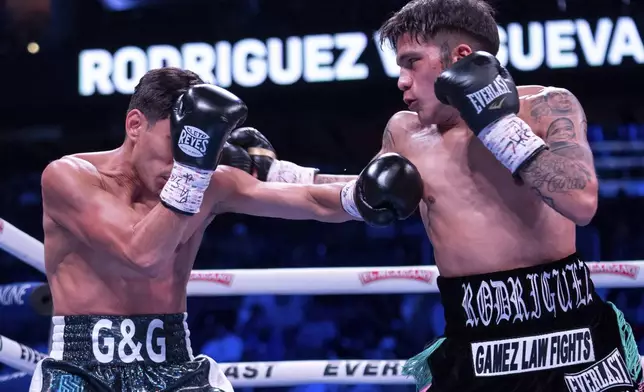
(424, 19)
(158, 89)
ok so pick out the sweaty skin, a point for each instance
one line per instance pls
(106, 251)
(478, 217)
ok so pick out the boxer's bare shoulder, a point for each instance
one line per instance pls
(65, 177)
(78, 170)
(542, 106)
(404, 133)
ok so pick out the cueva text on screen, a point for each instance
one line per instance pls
(339, 57)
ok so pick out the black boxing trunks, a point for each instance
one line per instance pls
(537, 329)
(125, 353)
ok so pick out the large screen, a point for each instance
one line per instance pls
(347, 56)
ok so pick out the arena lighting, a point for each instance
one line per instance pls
(251, 62)
(123, 5)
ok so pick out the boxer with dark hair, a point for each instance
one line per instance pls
(123, 227)
(507, 173)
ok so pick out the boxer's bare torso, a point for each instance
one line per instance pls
(85, 280)
(90, 264)
(477, 216)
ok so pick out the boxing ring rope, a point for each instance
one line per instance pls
(21, 245)
(259, 374)
(297, 281)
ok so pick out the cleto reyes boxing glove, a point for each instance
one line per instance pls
(389, 188)
(201, 121)
(485, 94)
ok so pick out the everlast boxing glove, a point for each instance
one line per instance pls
(201, 121)
(388, 189)
(265, 164)
(487, 98)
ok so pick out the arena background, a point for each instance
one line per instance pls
(68, 66)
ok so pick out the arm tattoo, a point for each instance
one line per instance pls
(554, 103)
(553, 173)
(567, 165)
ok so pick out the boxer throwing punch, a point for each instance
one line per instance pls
(507, 174)
(123, 227)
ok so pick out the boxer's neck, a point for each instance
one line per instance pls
(453, 123)
(123, 173)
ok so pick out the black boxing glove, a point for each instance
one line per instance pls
(260, 151)
(388, 189)
(201, 121)
(237, 157)
(265, 164)
(487, 98)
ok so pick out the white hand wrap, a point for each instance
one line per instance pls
(290, 173)
(347, 197)
(511, 141)
(185, 188)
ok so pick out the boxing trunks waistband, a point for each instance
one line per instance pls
(547, 297)
(119, 340)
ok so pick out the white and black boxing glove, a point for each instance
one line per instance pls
(485, 94)
(249, 150)
(388, 189)
(201, 121)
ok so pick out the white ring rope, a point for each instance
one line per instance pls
(259, 374)
(366, 280)
(22, 245)
(297, 281)
(262, 374)
(309, 281)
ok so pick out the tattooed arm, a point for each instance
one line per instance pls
(562, 176)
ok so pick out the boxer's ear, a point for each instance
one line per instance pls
(135, 123)
(460, 51)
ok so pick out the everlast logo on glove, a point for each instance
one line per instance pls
(482, 98)
(193, 141)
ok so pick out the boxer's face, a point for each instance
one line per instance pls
(152, 153)
(420, 64)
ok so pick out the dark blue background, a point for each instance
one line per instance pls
(335, 126)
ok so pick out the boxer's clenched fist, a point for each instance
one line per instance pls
(388, 189)
(201, 121)
(235, 156)
(486, 96)
(247, 149)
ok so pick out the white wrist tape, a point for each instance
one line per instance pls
(347, 197)
(289, 172)
(185, 188)
(511, 141)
